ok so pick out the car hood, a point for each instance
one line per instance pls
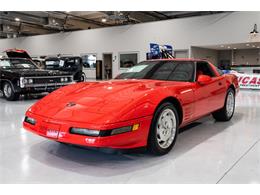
(37, 72)
(13, 53)
(96, 102)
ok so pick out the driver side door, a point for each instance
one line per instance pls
(209, 96)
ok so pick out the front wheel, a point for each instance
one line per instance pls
(9, 93)
(227, 112)
(164, 129)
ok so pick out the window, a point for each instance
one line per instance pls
(128, 60)
(175, 71)
(203, 68)
(183, 72)
(89, 60)
(220, 71)
(161, 70)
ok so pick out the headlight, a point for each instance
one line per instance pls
(62, 79)
(82, 131)
(30, 81)
(23, 81)
(66, 79)
(30, 120)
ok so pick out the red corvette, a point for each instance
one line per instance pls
(143, 107)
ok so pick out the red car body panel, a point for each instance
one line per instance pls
(113, 104)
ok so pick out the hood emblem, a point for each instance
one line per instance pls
(70, 104)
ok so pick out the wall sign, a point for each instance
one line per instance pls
(248, 81)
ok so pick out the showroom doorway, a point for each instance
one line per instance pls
(108, 64)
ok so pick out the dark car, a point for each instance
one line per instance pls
(70, 64)
(22, 76)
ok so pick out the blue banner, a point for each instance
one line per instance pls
(154, 49)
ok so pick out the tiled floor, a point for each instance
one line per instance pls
(208, 152)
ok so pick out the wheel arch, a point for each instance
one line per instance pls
(231, 86)
(3, 81)
(177, 105)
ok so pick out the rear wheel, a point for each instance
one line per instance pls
(9, 93)
(164, 129)
(227, 112)
(83, 77)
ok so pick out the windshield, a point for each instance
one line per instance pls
(161, 70)
(17, 64)
(53, 64)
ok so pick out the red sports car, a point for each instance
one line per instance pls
(143, 107)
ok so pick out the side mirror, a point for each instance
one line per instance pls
(204, 79)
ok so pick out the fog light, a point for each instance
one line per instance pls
(30, 120)
(81, 131)
(121, 130)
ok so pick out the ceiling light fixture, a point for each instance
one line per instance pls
(103, 20)
(228, 47)
(247, 44)
(253, 45)
(235, 48)
(17, 19)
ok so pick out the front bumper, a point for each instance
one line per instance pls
(59, 131)
(39, 88)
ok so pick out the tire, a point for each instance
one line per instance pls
(161, 140)
(83, 77)
(227, 112)
(9, 93)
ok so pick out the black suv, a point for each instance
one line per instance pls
(71, 64)
(21, 76)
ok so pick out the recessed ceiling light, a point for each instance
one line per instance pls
(247, 44)
(253, 45)
(103, 20)
(228, 47)
(258, 47)
(235, 48)
(17, 19)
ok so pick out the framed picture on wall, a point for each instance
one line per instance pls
(89, 60)
(128, 59)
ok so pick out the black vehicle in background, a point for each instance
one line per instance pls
(20, 75)
(70, 64)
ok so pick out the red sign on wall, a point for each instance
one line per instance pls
(249, 81)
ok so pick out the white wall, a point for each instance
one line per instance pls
(202, 53)
(181, 33)
(247, 56)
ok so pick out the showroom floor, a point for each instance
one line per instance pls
(209, 152)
